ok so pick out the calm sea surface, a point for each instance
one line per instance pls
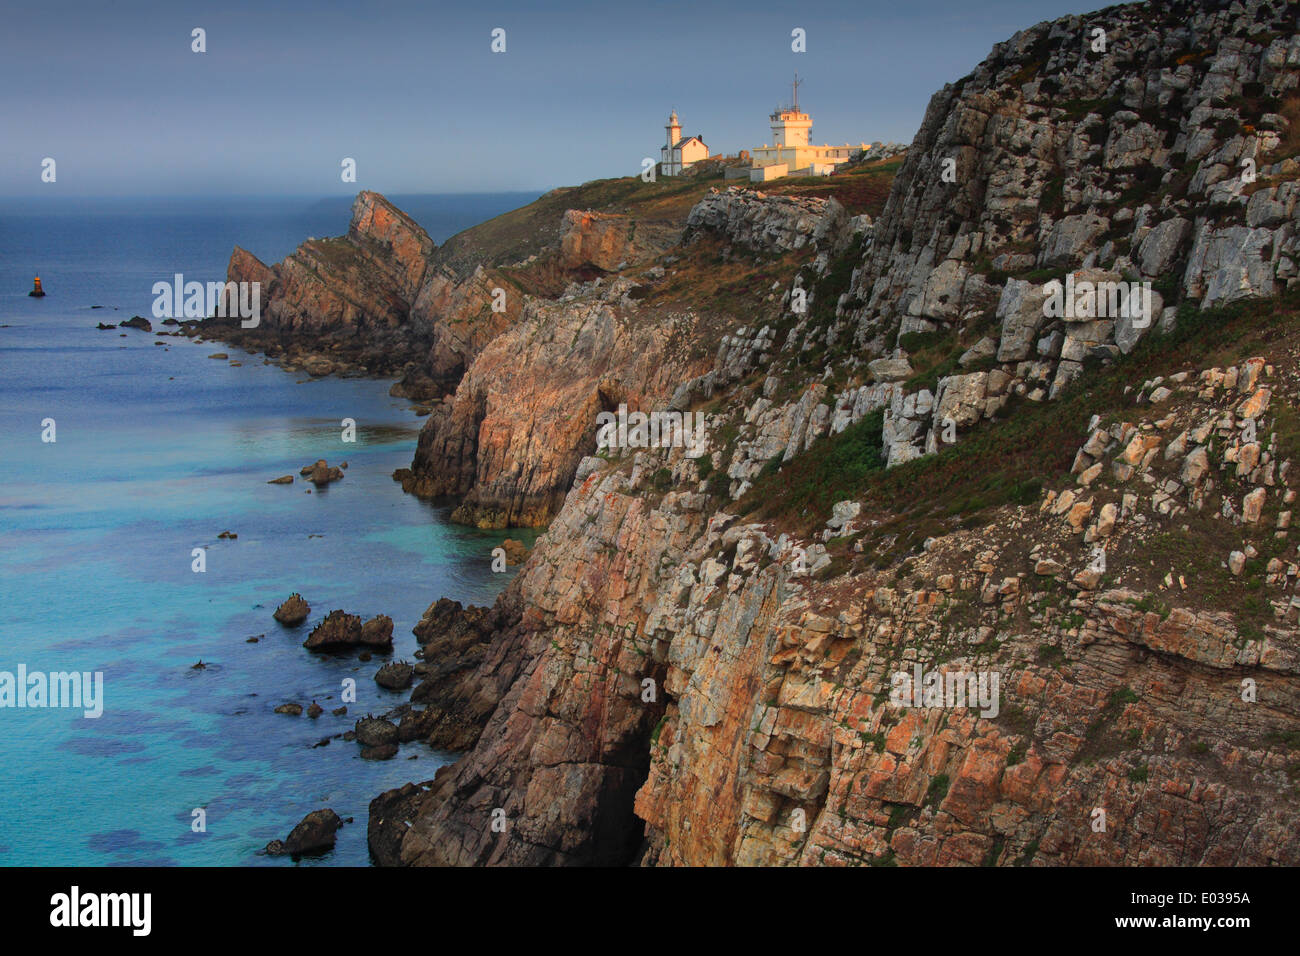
(158, 450)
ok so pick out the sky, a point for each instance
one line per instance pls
(115, 95)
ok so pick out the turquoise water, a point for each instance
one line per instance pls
(158, 450)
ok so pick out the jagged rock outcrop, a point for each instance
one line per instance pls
(611, 242)
(756, 220)
(342, 298)
(373, 301)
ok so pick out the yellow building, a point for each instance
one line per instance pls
(677, 154)
(790, 153)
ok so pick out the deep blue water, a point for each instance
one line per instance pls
(158, 449)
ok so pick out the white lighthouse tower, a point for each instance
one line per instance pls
(790, 127)
(674, 129)
(677, 153)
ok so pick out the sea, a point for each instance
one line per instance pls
(156, 450)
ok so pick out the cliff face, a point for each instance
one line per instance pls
(510, 439)
(1166, 157)
(768, 730)
(702, 666)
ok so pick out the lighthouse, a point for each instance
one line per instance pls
(37, 292)
(677, 154)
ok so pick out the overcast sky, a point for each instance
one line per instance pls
(286, 90)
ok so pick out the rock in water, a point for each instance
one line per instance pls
(315, 834)
(378, 631)
(293, 611)
(342, 630)
(282, 480)
(138, 322)
(375, 732)
(395, 675)
(322, 474)
(339, 629)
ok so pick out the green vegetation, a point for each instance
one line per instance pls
(937, 791)
(1010, 460)
(861, 188)
(816, 480)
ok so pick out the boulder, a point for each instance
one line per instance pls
(395, 675)
(378, 631)
(1021, 311)
(516, 551)
(375, 732)
(314, 834)
(890, 370)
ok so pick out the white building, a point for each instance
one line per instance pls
(677, 154)
(790, 153)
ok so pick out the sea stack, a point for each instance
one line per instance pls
(37, 292)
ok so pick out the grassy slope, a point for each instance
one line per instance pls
(1012, 459)
(515, 235)
(862, 188)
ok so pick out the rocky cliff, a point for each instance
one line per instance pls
(374, 301)
(914, 469)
